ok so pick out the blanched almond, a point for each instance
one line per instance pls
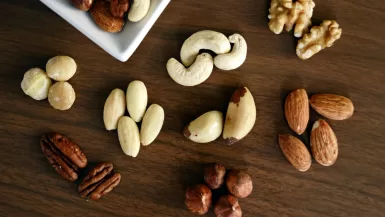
(129, 138)
(114, 109)
(152, 124)
(136, 100)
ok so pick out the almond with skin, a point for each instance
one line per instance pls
(295, 152)
(323, 143)
(240, 117)
(297, 110)
(100, 12)
(332, 106)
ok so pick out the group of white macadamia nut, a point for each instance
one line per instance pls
(135, 101)
(38, 85)
(284, 14)
(196, 68)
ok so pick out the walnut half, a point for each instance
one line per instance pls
(318, 39)
(286, 14)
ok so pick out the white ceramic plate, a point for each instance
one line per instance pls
(120, 45)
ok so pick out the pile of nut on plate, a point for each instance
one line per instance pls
(110, 15)
(69, 161)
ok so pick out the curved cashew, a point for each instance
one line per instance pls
(206, 39)
(138, 10)
(195, 74)
(236, 57)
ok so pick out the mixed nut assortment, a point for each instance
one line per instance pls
(38, 85)
(323, 141)
(128, 132)
(238, 183)
(200, 66)
(68, 160)
(240, 119)
(286, 14)
(109, 14)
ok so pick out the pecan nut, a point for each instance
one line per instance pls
(119, 7)
(99, 181)
(64, 155)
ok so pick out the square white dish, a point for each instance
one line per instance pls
(119, 45)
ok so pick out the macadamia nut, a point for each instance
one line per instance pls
(61, 95)
(36, 84)
(61, 68)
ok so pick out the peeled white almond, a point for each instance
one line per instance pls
(129, 138)
(206, 128)
(240, 117)
(152, 124)
(114, 109)
(136, 99)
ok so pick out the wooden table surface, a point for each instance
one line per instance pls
(153, 184)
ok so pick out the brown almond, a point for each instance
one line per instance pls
(100, 12)
(323, 143)
(332, 106)
(295, 152)
(297, 110)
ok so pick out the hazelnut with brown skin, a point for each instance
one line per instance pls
(239, 183)
(227, 206)
(214, 175)
(198, 199)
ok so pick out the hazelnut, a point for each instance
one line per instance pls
(83, 5)
(36, 84)
(227, 206)
(198, 199)
(239, 183)
(61, 68)
(61, 95)
(214, 175)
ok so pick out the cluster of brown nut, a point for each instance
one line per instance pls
(323, 141)
(286, 14)
(199, 198)
(68, 160)
(107, 14)
(38, 85)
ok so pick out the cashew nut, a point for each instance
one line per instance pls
(236, 57)
(206, 39)
(197, 73)
(138, 10)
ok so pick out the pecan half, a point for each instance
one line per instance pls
(99, 181)
(119, 7)
(64, 155)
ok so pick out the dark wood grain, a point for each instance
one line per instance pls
(153, 184)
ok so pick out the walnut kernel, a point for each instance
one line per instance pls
(318, 39)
